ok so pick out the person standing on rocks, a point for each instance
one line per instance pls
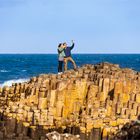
(68, 56)
(61, 55)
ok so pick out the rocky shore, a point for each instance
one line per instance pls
(95, 102)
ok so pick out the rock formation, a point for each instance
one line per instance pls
(94, 102)
(130, 131)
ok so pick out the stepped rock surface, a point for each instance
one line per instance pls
(95, 102)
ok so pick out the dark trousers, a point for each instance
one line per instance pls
(60, 66)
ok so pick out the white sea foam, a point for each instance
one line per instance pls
(10, 82)
(24, 70)
(4, 71)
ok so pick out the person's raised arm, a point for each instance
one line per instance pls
(72, 45)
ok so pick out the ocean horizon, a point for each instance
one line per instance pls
(21, 67)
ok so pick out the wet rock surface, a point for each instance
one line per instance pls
(130, 131)
(93, 102)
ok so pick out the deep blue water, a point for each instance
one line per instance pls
(21, 66)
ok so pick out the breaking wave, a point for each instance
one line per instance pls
(24, 70)
(10, 82)
(4, 71)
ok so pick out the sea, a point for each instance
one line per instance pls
(17, 68)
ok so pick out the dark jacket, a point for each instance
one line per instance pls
(68, 51)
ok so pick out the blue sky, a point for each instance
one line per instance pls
(96, 26)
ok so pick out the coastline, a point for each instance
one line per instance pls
(94, 102)
(14, 67)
